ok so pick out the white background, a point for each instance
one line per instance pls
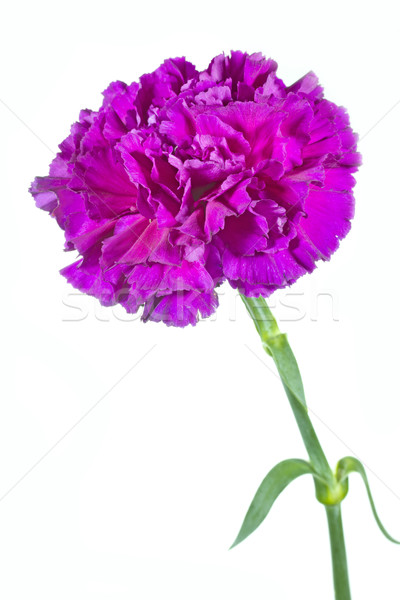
(143, 496)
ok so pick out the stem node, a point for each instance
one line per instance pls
(331, 495)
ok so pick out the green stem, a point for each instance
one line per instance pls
(268, 331)
(328, 490)
(338, 551)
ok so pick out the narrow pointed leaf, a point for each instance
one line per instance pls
(277, 346)
(274, 483)
(348, 465)
(288, 369)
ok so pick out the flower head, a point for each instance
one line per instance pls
(187, 179)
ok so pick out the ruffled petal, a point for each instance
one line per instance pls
(186, 179)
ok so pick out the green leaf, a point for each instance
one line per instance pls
(274, 483)
(287, 366)
(277, 346)
(348, 465)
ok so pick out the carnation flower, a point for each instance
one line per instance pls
(187, 179)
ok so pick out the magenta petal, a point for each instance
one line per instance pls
(104, 182)
(127, 231)
(152, 245)
(272, 270)
(186, 179)
(89, 280)
(164, 278)
(328, 219)
(181, 308)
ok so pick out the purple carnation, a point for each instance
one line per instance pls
(187, 179)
